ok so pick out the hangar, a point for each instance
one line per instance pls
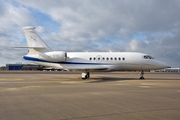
(23, 67)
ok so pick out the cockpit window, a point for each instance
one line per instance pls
(148, 57)
(151, 57)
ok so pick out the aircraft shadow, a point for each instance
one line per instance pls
(162, 79)
(108, 79)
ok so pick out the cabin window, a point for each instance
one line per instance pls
(94, 58)
(65, 55)
(115, 58)
(90, 58)
(123, 58)
(119, 58)
(111, 58)
(103, 58)
(107, 58)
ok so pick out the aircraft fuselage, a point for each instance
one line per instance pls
(110, 61)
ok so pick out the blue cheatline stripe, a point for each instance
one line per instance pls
(39, 60)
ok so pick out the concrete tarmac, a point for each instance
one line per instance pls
(105, 96)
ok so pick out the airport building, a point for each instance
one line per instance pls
(3, 68)
(168, 70)
(23, 67)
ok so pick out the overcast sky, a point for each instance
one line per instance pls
(147, 26)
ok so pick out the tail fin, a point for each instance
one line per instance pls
(35, 43)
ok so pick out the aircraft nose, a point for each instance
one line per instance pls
(162, 65)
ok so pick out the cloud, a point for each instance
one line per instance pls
(11, 21)
(40, 29)
(87, 25)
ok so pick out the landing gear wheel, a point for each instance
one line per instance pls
(88, 75)
(142, 75)
(85, 75)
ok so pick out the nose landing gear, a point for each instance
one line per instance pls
(142, 75)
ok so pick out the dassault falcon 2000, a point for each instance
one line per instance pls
(86, 62)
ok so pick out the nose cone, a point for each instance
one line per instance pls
(161, 65)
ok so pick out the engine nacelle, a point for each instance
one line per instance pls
(55, 56)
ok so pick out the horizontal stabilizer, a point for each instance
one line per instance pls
(27, 47)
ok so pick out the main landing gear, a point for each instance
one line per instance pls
(142, 75)
(85, 75)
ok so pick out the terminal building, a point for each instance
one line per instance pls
(168, 70)
(23, 67)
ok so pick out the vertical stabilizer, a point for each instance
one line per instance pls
(35, 43)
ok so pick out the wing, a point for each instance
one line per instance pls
(87, 68)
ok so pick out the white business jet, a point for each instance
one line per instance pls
(86, 62)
